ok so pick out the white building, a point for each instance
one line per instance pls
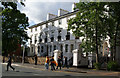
(52, 34)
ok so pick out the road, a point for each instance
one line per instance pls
(29, 71)
(35, 71)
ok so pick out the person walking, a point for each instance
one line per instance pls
(59, 62)
(35, 59)
(47, 62)
(52, 63)
(9, 62)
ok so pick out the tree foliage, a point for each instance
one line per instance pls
(14, 24)
(94, 22)
(113, 26)
(88, 24)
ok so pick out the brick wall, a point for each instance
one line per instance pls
(31, 60)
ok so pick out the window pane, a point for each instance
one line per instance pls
(66, 48)
(72, 47)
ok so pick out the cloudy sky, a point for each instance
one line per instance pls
(37, 11)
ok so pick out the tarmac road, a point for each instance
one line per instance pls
(32, 70)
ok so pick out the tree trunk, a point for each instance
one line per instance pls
(116, 33)
(112, 53)
(97, 55)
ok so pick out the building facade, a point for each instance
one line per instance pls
(52, 34)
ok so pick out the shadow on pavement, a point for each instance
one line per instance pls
(75, 71)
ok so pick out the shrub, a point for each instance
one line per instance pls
(112, 65)
(97, 66)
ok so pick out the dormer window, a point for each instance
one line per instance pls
(31, 30)
(47, 25)
(60, 21)
(67, 19)
(40, 27)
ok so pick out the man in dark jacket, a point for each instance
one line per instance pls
(52, 64)
(35, 59)
(9, 62)
(59, 62)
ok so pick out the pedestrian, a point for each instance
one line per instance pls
(65, 63)
(59, 62)
(35, 59)
(9, 62)
(52, 63)
(47, 62)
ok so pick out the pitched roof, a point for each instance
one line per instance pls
(54, 19)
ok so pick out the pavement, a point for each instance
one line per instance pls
(70, 70)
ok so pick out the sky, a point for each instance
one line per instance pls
(37, 11)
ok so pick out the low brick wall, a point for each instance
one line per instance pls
(14, 59)
(31, 60)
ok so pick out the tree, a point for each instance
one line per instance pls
(113, 26)
(95, 21)
(89, 24)
(14, 24)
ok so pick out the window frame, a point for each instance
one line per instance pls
(66, 48)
